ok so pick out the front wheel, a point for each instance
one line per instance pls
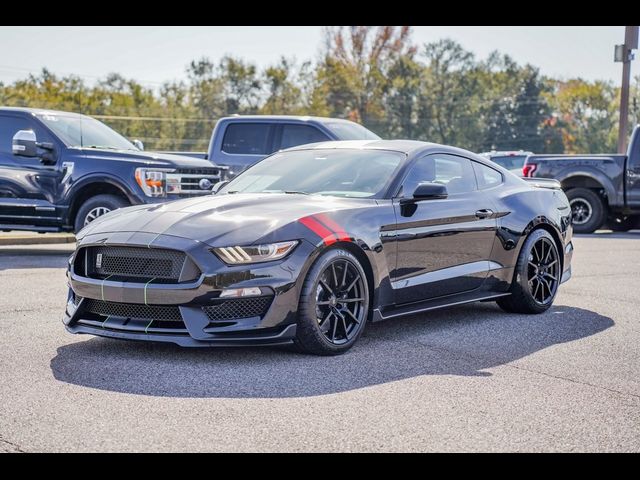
(334, 304)
(537, 276)
(96, 207)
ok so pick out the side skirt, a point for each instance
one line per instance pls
(434, 304)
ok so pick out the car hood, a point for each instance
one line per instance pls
(237, 219)
(152, 159)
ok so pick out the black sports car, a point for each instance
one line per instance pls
(310, 244)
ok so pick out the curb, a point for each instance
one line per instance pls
(39, 239)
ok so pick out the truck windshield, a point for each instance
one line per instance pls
(87, 132)
(351, 131)
(339, 173)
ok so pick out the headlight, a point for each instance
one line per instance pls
(153, 181)
(255, 254)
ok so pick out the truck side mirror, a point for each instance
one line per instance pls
(138, 144)
(24, 144)
(216, 188)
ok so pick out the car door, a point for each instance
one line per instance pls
(443, 245)
(29, 190)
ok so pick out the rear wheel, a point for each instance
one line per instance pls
(587, 210)
(96, 207)
(334, 305)
(537, 276)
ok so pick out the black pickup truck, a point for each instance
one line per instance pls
(602, 189)
(59, 171)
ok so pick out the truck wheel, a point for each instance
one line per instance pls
(96, 207)
(624, 224)
(587, 209)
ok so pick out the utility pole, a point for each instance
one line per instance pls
(624, 54)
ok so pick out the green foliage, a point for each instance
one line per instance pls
(436, 92)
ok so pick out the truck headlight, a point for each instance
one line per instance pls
(153, 181)
(255, 254)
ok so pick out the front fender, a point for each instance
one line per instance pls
(77, 185)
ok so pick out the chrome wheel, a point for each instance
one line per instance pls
(95, 213)
(543, 271)
(340, 302)
(581, 210)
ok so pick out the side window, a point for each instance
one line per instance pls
(8, 128)
(247, 139)
(487, 177)
(454, 172)
(294, 135)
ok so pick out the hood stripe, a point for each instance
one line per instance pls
(316, 227)
(332, 225)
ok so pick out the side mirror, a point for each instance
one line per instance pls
(138, 144)
(24, 144)
(216, 187)
(427, 191)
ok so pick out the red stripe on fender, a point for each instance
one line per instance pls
(330, 223)
(316, 227)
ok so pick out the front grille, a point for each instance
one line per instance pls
(189, 180)
(199, 171)
(238, 308)
(135, 264)
(133, 311)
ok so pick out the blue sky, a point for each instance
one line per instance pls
(156, 54)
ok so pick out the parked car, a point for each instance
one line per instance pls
(59, 171)
(601, 188)
(512, 160)
(240, 141)
(308, 245)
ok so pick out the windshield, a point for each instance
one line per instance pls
(351, 131)
(340, 173)
(81, 131)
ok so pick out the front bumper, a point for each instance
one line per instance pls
(281, 281)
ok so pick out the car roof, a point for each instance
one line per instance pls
(407, 147)
(285, 118)
(40, 111)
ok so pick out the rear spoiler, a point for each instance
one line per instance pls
(549, 183)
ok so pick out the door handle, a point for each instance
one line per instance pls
(484, 213)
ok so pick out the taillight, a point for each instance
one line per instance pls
(528, 169)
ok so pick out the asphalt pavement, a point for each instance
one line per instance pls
(470, 378)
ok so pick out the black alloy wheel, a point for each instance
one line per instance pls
(538, 274)
(334, 304)
(543, 275)
(340, 307)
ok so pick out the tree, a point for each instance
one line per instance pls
(587, 114)
(449, 110)
(353, 72)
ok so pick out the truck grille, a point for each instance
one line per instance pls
(238, 308)
(133, 311)
(136, 264)
(187, 182)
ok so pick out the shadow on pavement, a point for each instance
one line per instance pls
(460, 341)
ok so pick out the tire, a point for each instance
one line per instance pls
(97, 206)
(324, 326)
(624, 224)
(534, 295)
(587, 208)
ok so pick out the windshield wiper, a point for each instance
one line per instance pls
(295, 192)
